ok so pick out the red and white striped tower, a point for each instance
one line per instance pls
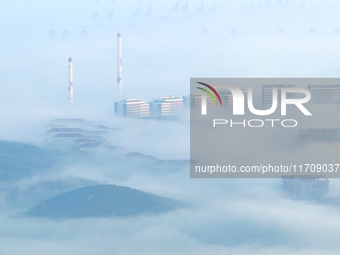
(119, 64)
(70, 88)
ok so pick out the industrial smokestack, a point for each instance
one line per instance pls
(70, 88)
(119, 64)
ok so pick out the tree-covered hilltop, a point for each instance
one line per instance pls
(18, 160)
(102, 201)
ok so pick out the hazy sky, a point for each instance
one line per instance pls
(160, 53)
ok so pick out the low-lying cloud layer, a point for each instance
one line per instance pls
(161, 54)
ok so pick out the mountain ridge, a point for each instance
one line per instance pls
(102, 201)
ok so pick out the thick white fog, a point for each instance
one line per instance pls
(160, 55)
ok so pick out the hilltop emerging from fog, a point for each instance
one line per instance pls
(102, 201)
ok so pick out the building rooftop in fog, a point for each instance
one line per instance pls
(78, 134)
(92, 144)
(306, 187)
(321, 134)
(171, 164)
(68, 135)
(68, 121)
(326, 93)
(228, 99)
(65, 130)
(196, 100)
(132, 107)
(131, 100)
(96, 138)
(166, 106)
(186, 101)
(325, 86)
(96, 133)
(279, 86)
(138, 155)
(83, 141)
(267, 93)
(97, 147)
(93, 147)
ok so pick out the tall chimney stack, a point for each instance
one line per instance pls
(70, 88)
(119, 64)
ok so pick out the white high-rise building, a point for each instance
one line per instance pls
(166, 106)
(186, 101)
(325, 93)
(119, 64)
(132, 107)
(228, 99)
(70, 86)
(196, 100)
(267, 94)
